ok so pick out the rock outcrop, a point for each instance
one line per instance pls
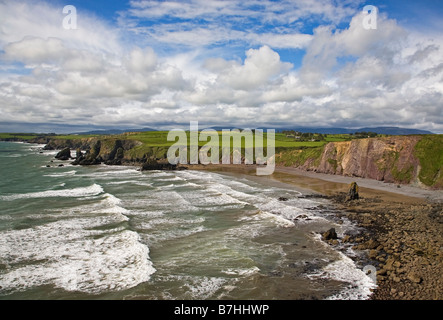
(152, 164)
(330, 234)
(64, 154)
(394, 159)
(353, 192)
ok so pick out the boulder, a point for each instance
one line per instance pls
(353, 192)
(330, 234)
(64, 154)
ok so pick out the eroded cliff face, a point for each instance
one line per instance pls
(97, 150)
(388, 159)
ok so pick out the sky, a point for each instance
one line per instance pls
(256, 63)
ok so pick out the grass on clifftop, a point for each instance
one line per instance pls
(429, 151)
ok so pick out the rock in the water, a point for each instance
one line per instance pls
(353, 192)
(330, 234)
(152, 164)
(65, 154)
(282, 199)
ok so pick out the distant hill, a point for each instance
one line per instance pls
(396, 131)
(115, 131)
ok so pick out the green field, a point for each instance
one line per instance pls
(159, 139)
(19, 136)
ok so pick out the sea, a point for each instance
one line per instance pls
(116, 233)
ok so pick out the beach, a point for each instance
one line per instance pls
(402, 225)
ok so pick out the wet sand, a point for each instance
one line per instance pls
(403, 225)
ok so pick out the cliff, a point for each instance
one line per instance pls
(398, 159)
(112, 151)
(108, 150)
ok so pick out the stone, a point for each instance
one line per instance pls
(353, 192)
(330, 234)
(64, 154)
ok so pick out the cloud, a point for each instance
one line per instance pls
(196, 23)
(108, 75)
(21, 19)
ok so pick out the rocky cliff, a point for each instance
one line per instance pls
(398, 159)
(111, 151)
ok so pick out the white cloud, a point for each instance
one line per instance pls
(20, 19)
(349, 77)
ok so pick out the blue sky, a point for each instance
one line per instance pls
(266, 63)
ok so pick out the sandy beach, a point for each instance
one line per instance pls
(403, 226)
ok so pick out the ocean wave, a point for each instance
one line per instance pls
(92, 190)
(61, 174)
(136, 182)
(344, 269)
(64, 254)
(112, 173)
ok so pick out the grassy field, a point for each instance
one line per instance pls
(159, 139)
(21, 136)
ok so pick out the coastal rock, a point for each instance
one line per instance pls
(353, 192)
(78, 154)
(152, 164)
(282, 199)
(64, 154)
(330, 234)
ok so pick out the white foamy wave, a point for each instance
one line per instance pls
(345, 270)
(241, 272)
(14, 155)
(136, 182)
(205, 287)
(279, 220)
(111, 204)
(64, 254)
(92, 190)
(112, 173)
(62, 174)
(170, 178)
(162, 200)
(210, 199)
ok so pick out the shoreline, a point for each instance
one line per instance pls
(402, 227)
(328, 183)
